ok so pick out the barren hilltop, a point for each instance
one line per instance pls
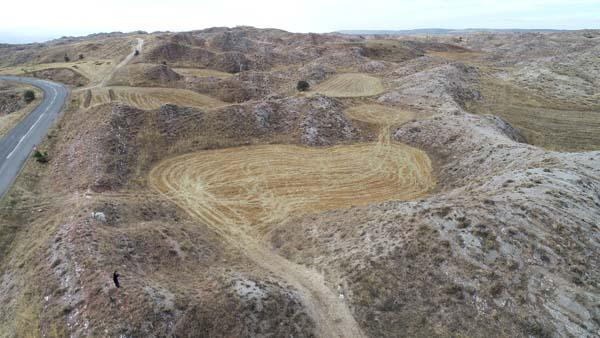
(426, 186)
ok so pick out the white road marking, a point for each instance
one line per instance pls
(34, 124)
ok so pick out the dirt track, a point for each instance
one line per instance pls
(240, 192)
(128, 58)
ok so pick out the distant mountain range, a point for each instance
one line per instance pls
(441, 31)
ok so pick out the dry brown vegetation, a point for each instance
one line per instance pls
(379, 114)
(350, 85)
(12, 106)
(254, 187)
(150, 98)
(547, 122)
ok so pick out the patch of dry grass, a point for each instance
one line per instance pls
(379, 114)
(152, 98)
(202, 72)
(545, 122)
(266, 184)
(350, 85)
(94, 70)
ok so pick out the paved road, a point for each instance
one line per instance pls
(16, 146)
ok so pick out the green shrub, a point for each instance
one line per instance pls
(302, 86)
(29, 95)
(41, 157)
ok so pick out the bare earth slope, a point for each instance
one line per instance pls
(421, 187)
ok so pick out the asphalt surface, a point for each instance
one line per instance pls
(17, 144)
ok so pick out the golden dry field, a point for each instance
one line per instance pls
(202, 72)
(261, 185)
(350, 85)
(379, 114)
(547, 122)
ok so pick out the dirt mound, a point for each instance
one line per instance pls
(10, 101)
(231, 41)
(390, 50)
(100, 47)
(179, 54)
(188, 38)
(182, 55)
(161, 74)
(63, 75)
(230, 62)
(238, 88)
(446, 88)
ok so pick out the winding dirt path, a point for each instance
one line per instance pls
(239, 192)
(125, 61)
(128, 58)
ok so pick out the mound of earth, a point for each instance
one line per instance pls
(161, 74)
(93, 47)
(10, 100)
(146, 75)
(63, 75)
(182, 55)
(390, 50)
(245, 86)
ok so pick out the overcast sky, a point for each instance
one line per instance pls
(43, 19)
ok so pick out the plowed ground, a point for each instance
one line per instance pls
(350, 85)
(262, 185)
(152, 98)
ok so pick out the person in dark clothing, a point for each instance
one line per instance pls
(116, 279)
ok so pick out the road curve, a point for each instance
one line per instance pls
(17, 144)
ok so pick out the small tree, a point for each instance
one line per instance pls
(29, 96)
(41, 157)
(302, 86)
(67, 59)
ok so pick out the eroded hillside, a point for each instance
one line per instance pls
(418, 187)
